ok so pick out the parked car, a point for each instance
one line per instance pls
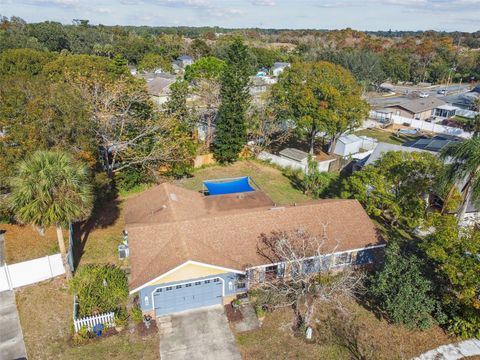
(423, 95)
(442, 91)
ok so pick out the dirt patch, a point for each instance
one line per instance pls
(143, 331)
(233, 314)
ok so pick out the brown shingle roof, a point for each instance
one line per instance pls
(229, 237)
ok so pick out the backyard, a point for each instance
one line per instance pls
(383, 136)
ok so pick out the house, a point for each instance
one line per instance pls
(383, 148)
(445, 111)
(278, 68)
(419, 109)
(188, 250)
(159, 87)
(350, 145)
(184, 61)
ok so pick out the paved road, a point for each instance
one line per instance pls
(453, 351)
(200, 334)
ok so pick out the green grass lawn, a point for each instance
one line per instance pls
(382, 136)
(268, 178)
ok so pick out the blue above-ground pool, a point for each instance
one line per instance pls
(229, 186)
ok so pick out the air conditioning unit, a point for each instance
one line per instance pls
(123, 251)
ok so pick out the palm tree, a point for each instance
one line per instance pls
(464, 169)
(51, 189)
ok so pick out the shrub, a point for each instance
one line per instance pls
(137, 315)
(402, 291)
(99, 288)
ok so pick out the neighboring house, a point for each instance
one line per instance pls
(464, 100)
(278, 68)
(188, 250)
(159, 88)
(419, 109)
(445, 111)
(383, 148)
(350, 145)
(185, 60)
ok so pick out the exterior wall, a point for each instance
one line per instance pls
(335, 261)
(401, 112)
(188, 272)
(229, 279)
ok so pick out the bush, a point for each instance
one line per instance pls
(402, 291)
(137, 315)
(130, 178)
(99, 289)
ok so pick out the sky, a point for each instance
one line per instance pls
(447, 15)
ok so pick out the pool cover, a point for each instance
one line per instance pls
(228, 187)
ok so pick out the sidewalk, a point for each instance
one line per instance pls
(12, 346)
(453, 351)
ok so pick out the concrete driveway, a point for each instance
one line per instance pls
(11, 337)
(200, 334)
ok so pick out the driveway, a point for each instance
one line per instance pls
(200, 334)
(11, 337)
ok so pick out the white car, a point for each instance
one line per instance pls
(423, 95)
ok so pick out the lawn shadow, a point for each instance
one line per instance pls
(104, 214)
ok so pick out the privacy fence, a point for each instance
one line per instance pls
(420, 124)
(29, 272)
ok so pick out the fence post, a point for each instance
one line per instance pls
(49, 266)
(9, 279)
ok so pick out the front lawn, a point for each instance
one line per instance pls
(46, 316)
(271, 180)
(373, 338)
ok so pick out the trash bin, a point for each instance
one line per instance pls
(98, 329)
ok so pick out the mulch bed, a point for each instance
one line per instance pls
(142, 330)
(233, 315)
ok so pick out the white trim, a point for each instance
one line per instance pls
(184, 283)
(313, 257)
(188, 262)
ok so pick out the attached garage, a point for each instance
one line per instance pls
(186, 296)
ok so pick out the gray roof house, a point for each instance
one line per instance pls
(422, 108)
(383, 148)
(294, 154)
(159, 88)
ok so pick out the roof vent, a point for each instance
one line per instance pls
(173, 197)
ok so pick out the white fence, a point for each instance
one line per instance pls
(30, 272)
(323, 166)
(422, 125)
(107, 319)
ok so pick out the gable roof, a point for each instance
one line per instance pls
(159, 85)
(420, 105)
(209, 230)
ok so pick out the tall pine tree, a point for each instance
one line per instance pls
(231, 129)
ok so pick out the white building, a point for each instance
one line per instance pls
(349, 145)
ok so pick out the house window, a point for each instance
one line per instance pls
(310, 266)
(146, 300)
(343, 259)
(216, 280)
(178, 287)
(168, 288)
(197, 283)
(207, 281)
(188, 285)
(241, 281)
(159, 290)
(271, 272)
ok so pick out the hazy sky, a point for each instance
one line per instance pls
(446, 15)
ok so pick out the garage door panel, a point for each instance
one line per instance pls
(188, 296)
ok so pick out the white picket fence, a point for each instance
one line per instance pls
(31, 271)
(107, 319)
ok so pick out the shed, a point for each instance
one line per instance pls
(353, 144)
(295, 154)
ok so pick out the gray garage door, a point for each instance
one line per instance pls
(187, 296)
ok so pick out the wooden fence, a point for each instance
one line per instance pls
(107, 319)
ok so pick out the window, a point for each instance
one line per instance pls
(197, 283)
(159, 290)
(168, 288)
(146, 300)
(207, 281)
(216, 280)
(343, 259)
(271, 272)
(188, 285)
(178, 287)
